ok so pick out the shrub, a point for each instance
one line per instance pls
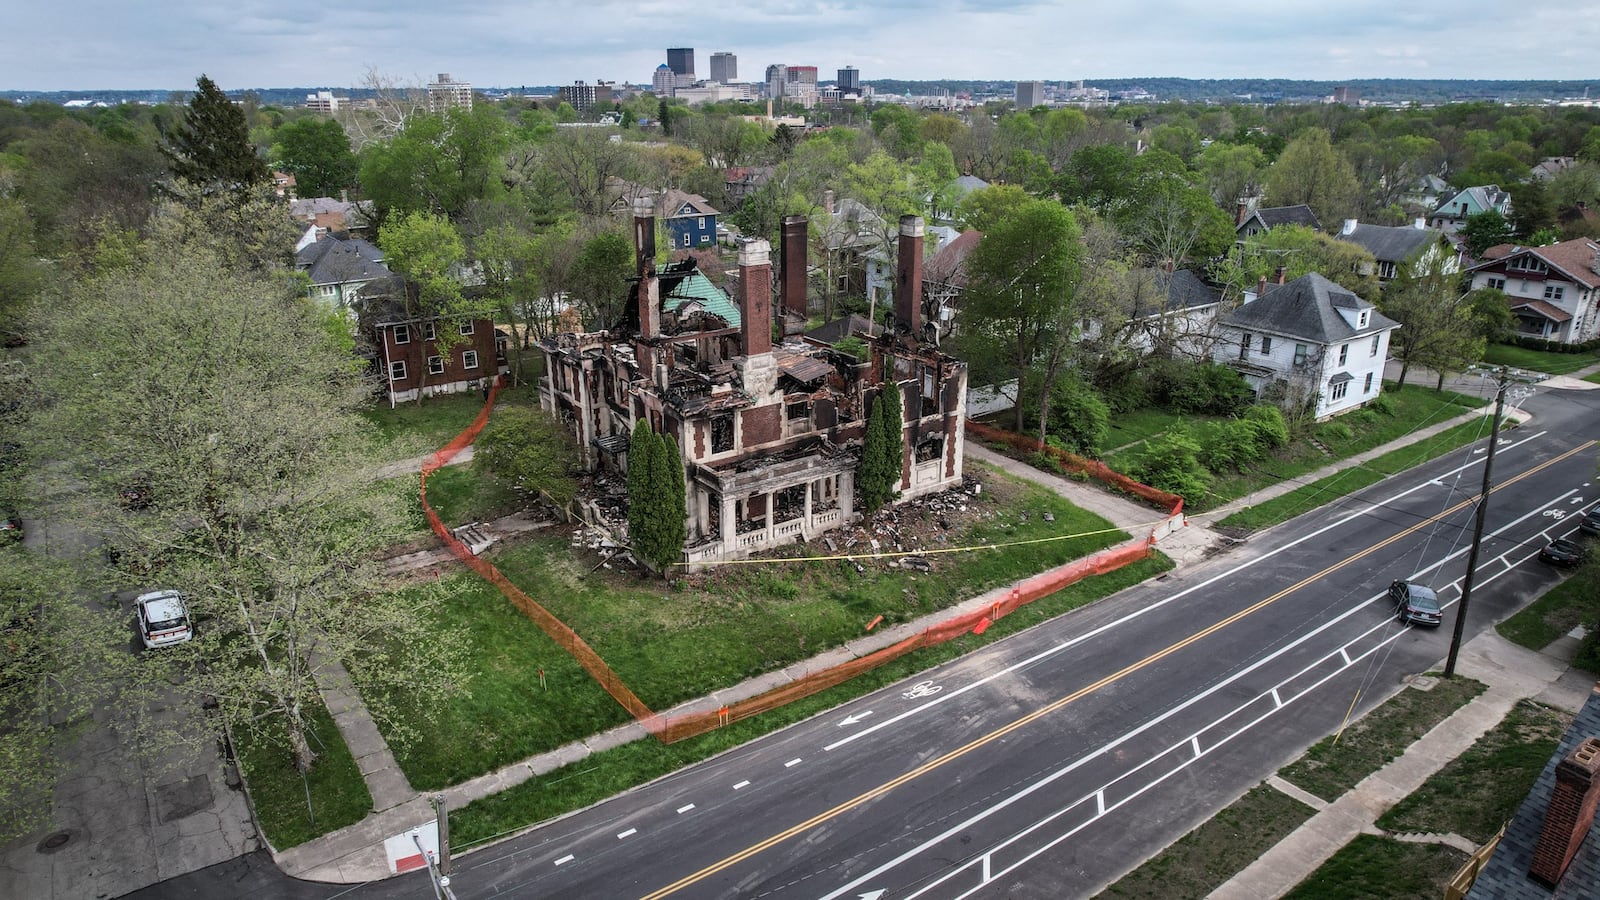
(1271, 431)
(1381, 405)
(1207, 388)
(1229, 445)
(1171, 462)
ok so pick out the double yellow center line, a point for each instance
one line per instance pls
(1079, 694)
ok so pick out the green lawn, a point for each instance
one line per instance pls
(671, 644)
(1356, 432)
(1479, 791)
(1573, 602)
(1200, 861)
(1340, 484)
(337, 792)
(1139, 425)
(607, 773)
(1539, 360)
(1338, 762)
(411, 429)
(1380, 868)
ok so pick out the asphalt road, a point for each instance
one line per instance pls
(1050, 763)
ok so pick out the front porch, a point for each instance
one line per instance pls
(766, 502)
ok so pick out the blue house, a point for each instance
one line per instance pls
(688, 218)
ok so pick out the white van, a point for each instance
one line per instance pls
(163, 619)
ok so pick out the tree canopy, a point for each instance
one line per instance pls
(210, 149)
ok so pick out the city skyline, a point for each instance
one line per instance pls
(92, 44)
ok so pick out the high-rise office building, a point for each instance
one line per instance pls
(445, 94)
(681, 61)
(1029, 94)
(663, 81)
(802, 74)
(777, 77)
(724, 68)
(849, 80)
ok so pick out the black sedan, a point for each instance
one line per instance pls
(1563, 553)
(1590, 523)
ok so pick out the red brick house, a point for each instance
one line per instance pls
(410, 357)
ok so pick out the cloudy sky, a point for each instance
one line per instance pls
(83, 44)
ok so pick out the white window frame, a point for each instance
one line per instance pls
(1339, 391)
(1376, 340)
(430, 331)
(435, 365)
(397, 370)
(1367, 387)
(1244, 346)
(1302, 354)
(1266, 344)
(465, 328)
(469, 359)
(1344, 354)
(1498, 284)
(402, 334)
(1554, 291)
(1364, 318)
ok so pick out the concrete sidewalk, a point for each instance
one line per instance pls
(1512, 674)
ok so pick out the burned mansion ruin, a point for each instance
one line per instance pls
(770, 435)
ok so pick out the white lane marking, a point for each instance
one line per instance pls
(854, 718)
(740, 785)
(565, 859)
(1099, 795)
(684, 809)
(792, 763)
(629, 833)
(1067, 645)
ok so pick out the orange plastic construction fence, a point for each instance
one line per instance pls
(676, 728)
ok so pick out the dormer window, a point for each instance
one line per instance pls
(1363, 318)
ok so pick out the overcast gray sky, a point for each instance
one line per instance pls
(81, 44)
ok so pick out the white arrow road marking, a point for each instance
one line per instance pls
(852, 719)
(874, 895)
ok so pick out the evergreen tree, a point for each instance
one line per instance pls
(211, 149)
(881, 450)
(662, 542)
(641, 447)
(675, 530)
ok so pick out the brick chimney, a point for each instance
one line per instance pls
(1571, 811)
(1241, 211)
(792, 249)
(647, 295)
(1283, 272)
(908, 281)
(755, 298)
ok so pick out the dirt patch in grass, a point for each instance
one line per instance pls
(1479, 791)
(1382, 869)
(1203, 859)
(1338, 762)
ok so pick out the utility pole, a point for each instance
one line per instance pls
(1503, 378)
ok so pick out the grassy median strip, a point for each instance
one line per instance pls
(1479, 791)
(1340, 484)
(1200, 861)
(1338, 762)
(1381, 868)
(605, 774)
(334, 786)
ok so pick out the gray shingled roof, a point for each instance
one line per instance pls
(342, 261)
(1273, 216)
(1306, 308)
(1506, 875)
(1391, 243)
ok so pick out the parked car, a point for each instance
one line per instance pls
(163, 618)
(1590, 523)
(1415, 604)
(1562, 552)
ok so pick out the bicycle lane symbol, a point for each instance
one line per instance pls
(922, 689)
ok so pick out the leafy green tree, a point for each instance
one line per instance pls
(882, 449)
(1532, 210)
(1020, 284)
(984, 207)
(1171, 462)
(211, 148)
(1484, 230)
(1230, 170)
(426, 249)
(1312, 171)
(257, 468)
(600, 280)
(1438, 326)
(438, 163)
(1300, 251)
(22, 274)
(317, 153)
(533, 451)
